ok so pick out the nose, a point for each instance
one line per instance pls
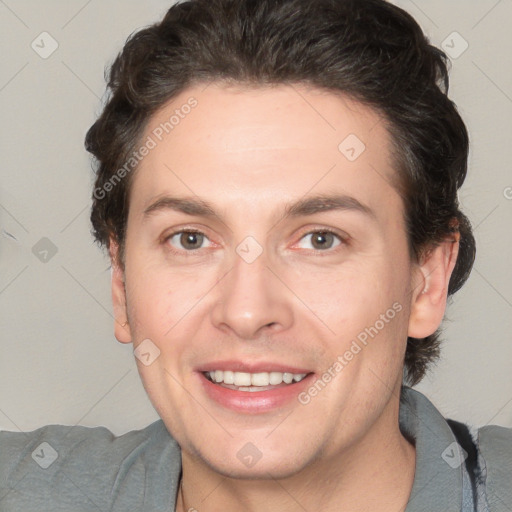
(252, 300)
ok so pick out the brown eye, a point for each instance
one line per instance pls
(188, 240)
(320, 240)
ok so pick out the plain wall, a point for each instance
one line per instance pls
(60, 362)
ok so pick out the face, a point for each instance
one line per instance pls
(265, 244)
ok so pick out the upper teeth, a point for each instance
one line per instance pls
(254, 379)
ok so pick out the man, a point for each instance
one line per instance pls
(277, 188)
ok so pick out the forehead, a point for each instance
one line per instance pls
(266, 144)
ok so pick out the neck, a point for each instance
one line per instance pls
(376, 473)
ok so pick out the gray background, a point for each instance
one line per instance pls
(60, 362)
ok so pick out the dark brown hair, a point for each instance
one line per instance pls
(369, 50)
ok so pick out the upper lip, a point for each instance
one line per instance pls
(250, 367)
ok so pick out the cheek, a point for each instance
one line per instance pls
(363, 304)
(352, 293)
(159, 297)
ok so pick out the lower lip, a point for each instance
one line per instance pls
(254, 402)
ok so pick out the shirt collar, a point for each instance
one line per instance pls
(438, 477)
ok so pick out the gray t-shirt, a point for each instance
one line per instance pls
(78, 469)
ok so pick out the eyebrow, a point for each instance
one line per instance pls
(189, 206)
(321, 203)
(304, 207)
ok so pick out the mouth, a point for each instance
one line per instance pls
(253, 392)
(252, 382)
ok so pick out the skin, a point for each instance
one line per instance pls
(250, 153)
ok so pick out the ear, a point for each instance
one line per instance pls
(121, 326)
(430, 293)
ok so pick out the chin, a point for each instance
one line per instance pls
(273, 468)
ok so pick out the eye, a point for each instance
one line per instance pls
(188, 240)
(320, 240)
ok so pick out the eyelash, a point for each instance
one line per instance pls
(344, 240)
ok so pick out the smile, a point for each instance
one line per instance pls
(251, 382)
(253, 392)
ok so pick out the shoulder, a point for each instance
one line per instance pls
(495, 447)
(59, 466)
(452, 465)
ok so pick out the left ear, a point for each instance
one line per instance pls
(121, 326)
(429, 297)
